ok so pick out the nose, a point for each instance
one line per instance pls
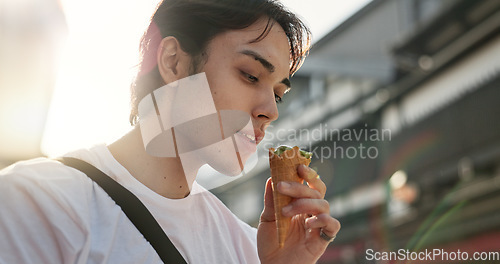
(265, 109)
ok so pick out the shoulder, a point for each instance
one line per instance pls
(34, 168)
(44, 209)
(39, 176)
(44, 185)
(44, 174)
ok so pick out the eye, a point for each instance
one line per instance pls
(277, 98)
(250, 77)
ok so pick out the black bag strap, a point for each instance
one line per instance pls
(135, 210)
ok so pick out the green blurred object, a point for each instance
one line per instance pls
(282, 149)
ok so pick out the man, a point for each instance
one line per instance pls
(245, 51)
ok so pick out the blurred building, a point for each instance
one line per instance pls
(31, 37)
(400, 105)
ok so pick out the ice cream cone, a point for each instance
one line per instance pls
(284, 168)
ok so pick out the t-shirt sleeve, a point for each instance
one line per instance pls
(38, 220)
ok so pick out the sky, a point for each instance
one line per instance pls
(90, 103)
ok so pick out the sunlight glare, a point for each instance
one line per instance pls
(90, 103)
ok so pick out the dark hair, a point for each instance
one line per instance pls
(195, 22)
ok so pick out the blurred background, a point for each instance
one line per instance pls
(419, 82)
(399, 100)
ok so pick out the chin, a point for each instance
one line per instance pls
(233, 168)
(231, 172)
(228, 165)
(221, 156)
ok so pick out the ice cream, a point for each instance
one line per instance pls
(284, 162)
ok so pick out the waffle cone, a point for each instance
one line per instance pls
(284, 168)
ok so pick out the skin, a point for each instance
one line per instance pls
(240, 78)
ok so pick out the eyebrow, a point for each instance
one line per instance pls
(269, 66)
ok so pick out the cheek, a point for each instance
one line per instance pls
(225, 100)
(226, 93)
(227, 87)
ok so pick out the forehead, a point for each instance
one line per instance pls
(274, 47)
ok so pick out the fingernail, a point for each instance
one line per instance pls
(304, 169)
(285, 185)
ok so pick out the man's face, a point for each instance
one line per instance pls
(235, 94)
(248, 76)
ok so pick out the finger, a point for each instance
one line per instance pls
(328, 224)
(312, 178)
(268, 212)
(306, 206)
(298, 190)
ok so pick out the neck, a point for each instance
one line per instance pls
(165, 176)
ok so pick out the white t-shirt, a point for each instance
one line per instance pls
(50, 213)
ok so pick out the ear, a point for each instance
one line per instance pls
(173, 62)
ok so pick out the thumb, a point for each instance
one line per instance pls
(268, 213)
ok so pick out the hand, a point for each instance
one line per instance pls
(311, 215)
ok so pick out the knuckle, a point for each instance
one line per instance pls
(323, 185)
(325, 205)
(337, 224)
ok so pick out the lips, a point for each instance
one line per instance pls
(254, 137)
(250, 137)
(259, 136)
